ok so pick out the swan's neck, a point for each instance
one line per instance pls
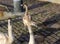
(10, 32)
(27, 22)
(26, 11)
(31, 41)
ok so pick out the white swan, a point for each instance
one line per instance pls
(27, 22)
(7, 39)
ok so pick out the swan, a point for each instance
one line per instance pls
(27, 23)
(7, 39)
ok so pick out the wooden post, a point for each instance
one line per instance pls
(2, 9)
(1, 14)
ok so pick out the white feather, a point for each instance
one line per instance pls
(7, 39)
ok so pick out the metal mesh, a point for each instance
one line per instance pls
(21, 35)
(8, 2)
(51, 35)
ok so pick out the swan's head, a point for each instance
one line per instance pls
(9, 20)
(25, 5)
(9, 24)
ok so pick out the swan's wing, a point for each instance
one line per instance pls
(3, 38)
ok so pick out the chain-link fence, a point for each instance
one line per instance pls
(21, 35)
(48, 35)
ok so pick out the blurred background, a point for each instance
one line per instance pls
(45, 14)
